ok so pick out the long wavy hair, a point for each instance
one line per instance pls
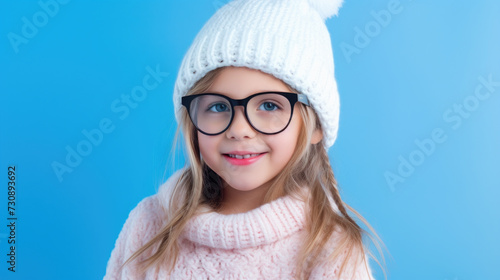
(309, 168)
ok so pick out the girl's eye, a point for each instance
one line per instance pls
(218, 107)
(268, 106)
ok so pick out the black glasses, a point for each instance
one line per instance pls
(267, 112)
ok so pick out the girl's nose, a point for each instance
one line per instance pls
(240, 128)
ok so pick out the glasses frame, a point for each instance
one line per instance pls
(292, 97)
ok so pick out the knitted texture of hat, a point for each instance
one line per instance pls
(285, 38)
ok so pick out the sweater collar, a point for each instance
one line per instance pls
(266, 224)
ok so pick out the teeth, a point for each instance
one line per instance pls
(243, 156)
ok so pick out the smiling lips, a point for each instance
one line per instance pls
(242, 158)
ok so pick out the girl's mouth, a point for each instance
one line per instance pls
(243, 159)
(243, 156)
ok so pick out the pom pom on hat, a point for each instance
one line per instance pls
(284, 38)
(326, 8)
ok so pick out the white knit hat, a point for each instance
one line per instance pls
(285, 38)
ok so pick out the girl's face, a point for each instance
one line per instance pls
(269, 154)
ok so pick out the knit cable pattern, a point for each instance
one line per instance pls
(264, 225)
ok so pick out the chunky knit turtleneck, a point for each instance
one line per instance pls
(261, 226)
(260, 244)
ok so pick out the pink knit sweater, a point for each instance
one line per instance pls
(259, 244)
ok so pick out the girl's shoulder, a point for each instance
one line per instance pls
(354, 262)
(142, 224)
(150, 214)
(145, 219)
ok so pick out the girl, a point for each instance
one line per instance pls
(258, 107)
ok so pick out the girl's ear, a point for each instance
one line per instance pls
(317, 136)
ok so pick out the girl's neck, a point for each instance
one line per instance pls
(236, 201)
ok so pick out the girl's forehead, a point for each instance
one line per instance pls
(240, 82)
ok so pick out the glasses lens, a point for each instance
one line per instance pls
(269, 113)
(210, 113)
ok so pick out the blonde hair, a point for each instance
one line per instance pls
(309, 168)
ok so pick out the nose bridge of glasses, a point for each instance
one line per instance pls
(241, 104)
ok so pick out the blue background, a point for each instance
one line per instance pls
(440, 221)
